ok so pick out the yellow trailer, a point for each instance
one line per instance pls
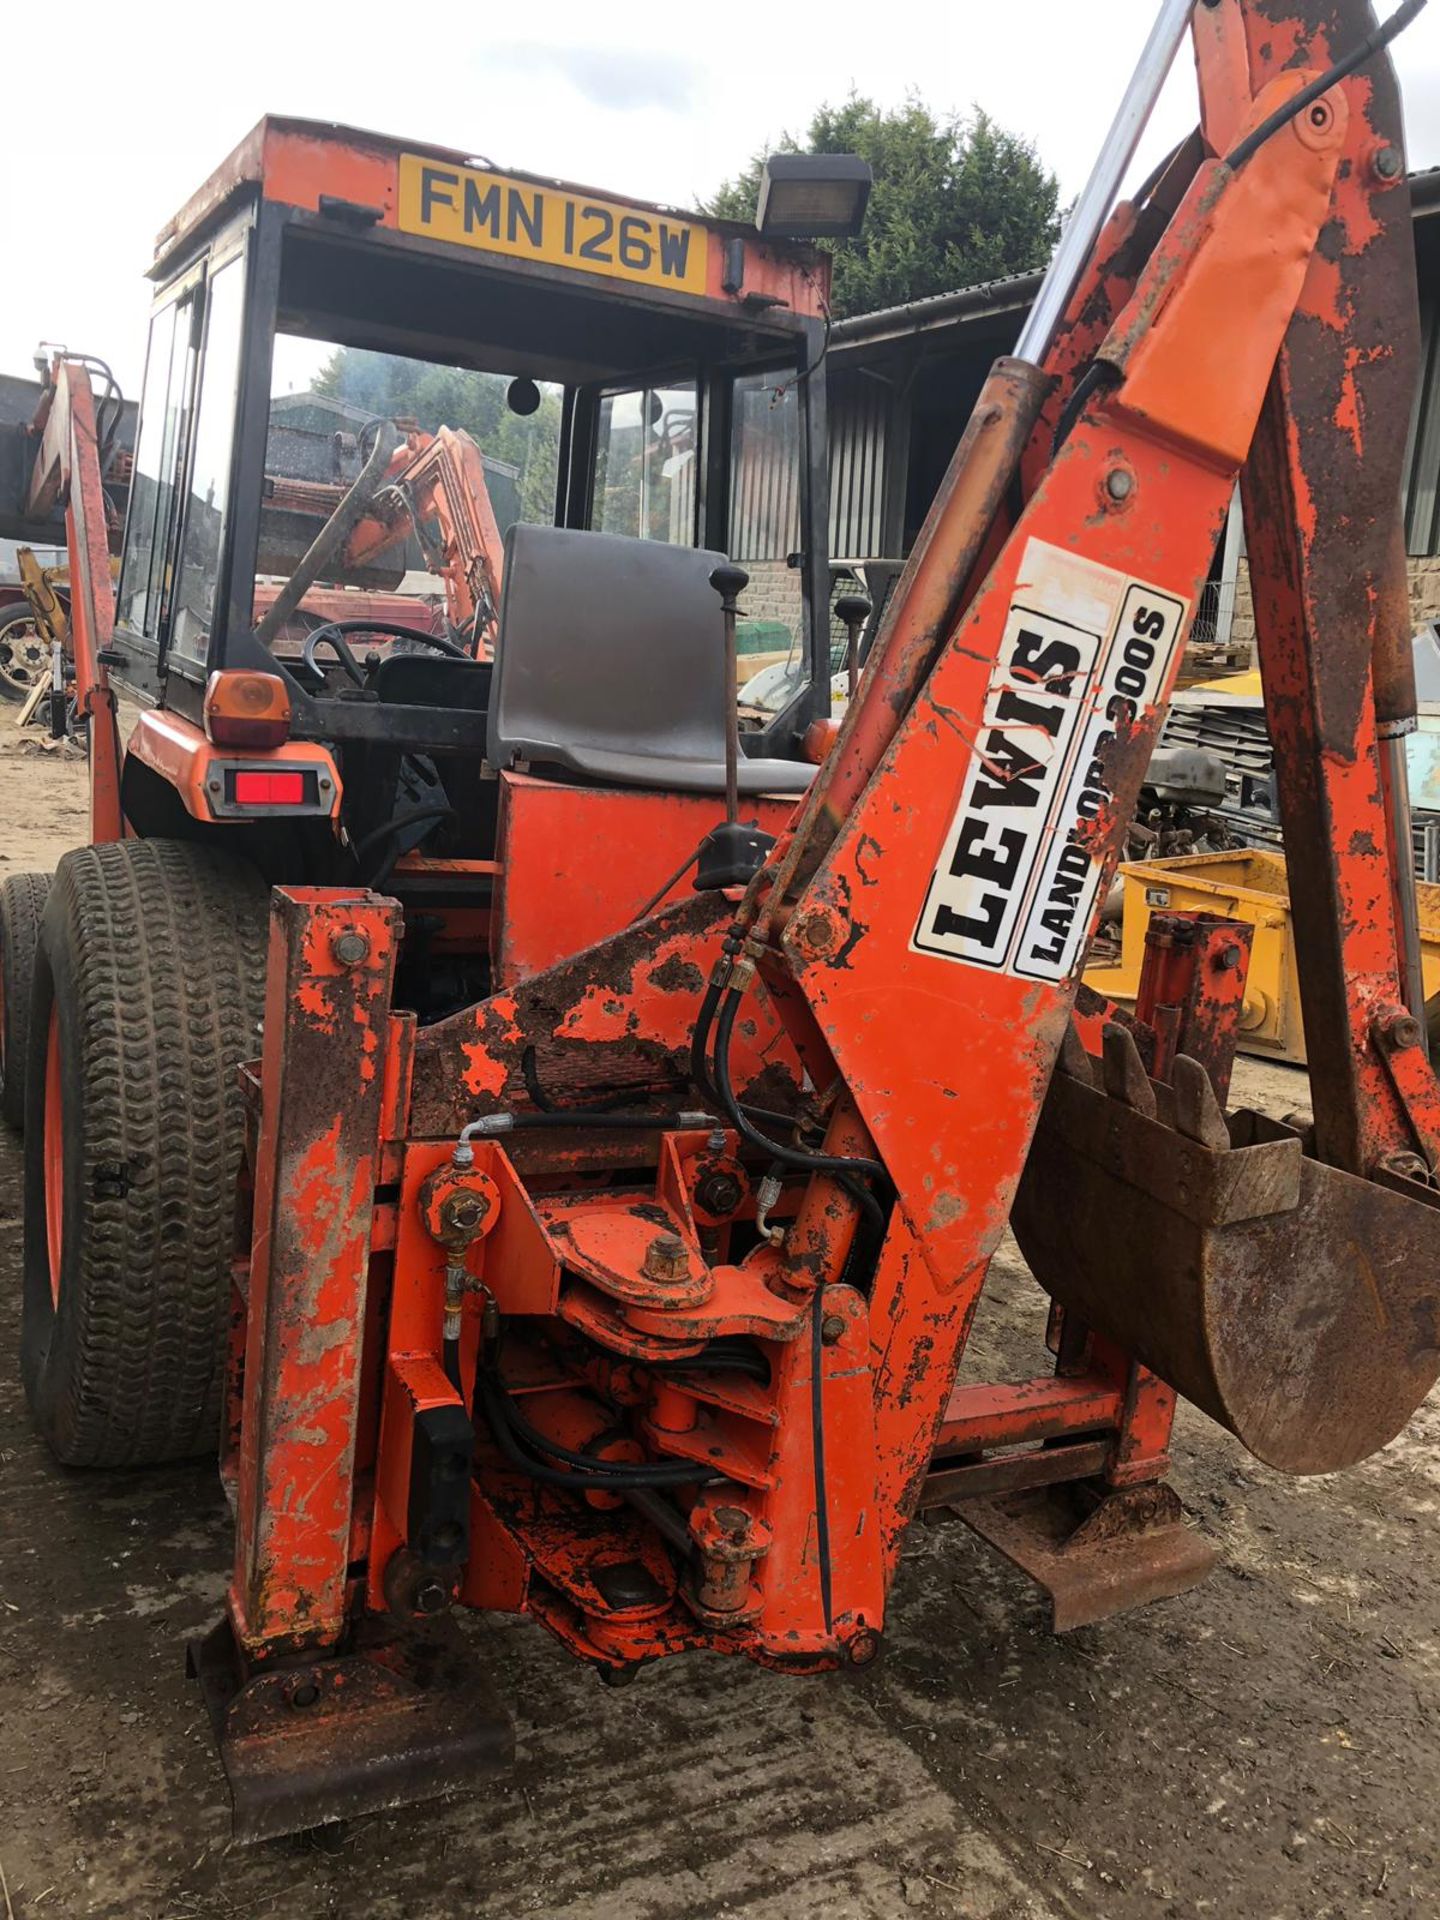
(1246, 884)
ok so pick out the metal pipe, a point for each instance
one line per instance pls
(1407, 903)
(1092, 209)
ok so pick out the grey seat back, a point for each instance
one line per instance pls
(609, 661)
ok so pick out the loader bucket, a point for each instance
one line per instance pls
(1297, 1305)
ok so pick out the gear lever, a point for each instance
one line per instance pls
(730, 853)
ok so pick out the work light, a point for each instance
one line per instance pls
(813, 196)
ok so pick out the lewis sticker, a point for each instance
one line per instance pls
(1086, 649)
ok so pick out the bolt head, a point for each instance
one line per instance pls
(666, 1258)
(465, 1210)
(832, 1328)
(431, 1598)
(819, 932)
(350, 947)
(1119, 483)
(719, 1192)
(1389, 163)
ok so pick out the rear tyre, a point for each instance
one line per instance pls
(148, 991)
(22, 902)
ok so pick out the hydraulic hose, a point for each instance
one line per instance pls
(1373, 43)
(851, 1172)
(508, 1427)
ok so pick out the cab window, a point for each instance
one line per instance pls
(764, 538)
(164, 408)
(194, 607)
(644, 480)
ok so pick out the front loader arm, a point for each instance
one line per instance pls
(437, 486)
(67, 467)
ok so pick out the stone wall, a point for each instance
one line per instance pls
(775, 592)
(1424, 598)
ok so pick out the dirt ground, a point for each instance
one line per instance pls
(1266, 1747)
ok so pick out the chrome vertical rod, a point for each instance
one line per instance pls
(1092, 209)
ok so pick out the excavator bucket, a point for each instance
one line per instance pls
(1292, 1302)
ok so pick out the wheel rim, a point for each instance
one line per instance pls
(22, 654)
(54, 1155)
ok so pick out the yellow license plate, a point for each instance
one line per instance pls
(496, 214)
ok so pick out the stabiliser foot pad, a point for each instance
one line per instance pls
(1096, 1552)
(397, 1715)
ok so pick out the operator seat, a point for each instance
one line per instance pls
(610, 663)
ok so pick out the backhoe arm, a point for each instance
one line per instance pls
(934, 904)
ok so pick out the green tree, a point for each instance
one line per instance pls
(955, 202)
(435, 396)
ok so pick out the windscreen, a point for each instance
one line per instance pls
(417, 551)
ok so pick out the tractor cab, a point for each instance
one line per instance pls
(442, 459)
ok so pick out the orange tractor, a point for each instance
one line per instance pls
(569, 1192)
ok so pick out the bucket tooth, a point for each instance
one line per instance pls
(1074, 1060)
(1124, 1071)
(1197, 1111)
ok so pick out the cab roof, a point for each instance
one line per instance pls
(373, 180)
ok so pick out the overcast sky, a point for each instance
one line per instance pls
(657, 100)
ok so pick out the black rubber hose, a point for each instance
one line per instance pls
(700, 1072)
(541, 1099)
(1373, 43)
(846, 1169)
(680, 1471)
(435, 810)
(700, 1041)
(597, 1477)
(1099, 374)
(718, 1357)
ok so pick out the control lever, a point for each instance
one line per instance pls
(730, 853)
(730, 582)
(854, 610)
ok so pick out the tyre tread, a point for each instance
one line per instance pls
(169, 947)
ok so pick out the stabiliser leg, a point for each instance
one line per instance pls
(317, 1716)
(1085, 1510)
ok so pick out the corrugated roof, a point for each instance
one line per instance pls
(994, 298)
(989, 298)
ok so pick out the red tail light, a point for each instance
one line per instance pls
(269, 789)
